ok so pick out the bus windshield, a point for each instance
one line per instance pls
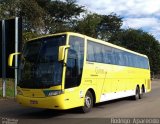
(39, 66)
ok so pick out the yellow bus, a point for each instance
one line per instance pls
(69, 70)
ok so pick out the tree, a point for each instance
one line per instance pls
(88, 25)
(141, 42)
(109, 26)
(99, 26)
(30, 12)
(32, 15)
(61, 15)
(42, 16)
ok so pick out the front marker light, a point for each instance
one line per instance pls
(52, 92)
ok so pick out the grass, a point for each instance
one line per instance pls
(9, 88)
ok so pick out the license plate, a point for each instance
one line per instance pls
(33, 102)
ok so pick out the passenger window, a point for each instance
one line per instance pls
(98, 53)
(90, 52)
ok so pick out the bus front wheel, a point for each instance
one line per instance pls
(88, 102)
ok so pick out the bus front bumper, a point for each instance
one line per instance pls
(52, 102)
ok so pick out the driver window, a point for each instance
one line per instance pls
(74, 62)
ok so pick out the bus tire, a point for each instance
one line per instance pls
(137, 94)
(88, 102)
(142, 93)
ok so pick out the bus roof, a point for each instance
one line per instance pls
(92, 39)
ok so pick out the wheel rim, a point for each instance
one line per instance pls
(88, 101)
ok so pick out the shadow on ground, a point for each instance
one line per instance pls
(34, 113)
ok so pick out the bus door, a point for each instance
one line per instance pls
(74, 68)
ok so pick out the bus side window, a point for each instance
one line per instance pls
(108, 52)
(90, 52)
(98, 53)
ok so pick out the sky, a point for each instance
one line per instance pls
(137, 14)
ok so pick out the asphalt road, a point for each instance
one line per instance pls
(148, 107)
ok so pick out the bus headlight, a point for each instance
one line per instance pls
(52, 92)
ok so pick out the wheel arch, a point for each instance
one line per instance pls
(93, 94)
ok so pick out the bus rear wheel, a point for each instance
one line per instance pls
(142, 93)
(137, 94)
(88, 102)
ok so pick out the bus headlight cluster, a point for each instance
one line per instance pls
(52, 92)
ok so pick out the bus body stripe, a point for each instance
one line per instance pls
(116, 95)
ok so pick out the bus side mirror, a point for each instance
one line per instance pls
(10, 59)
(62, 52)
